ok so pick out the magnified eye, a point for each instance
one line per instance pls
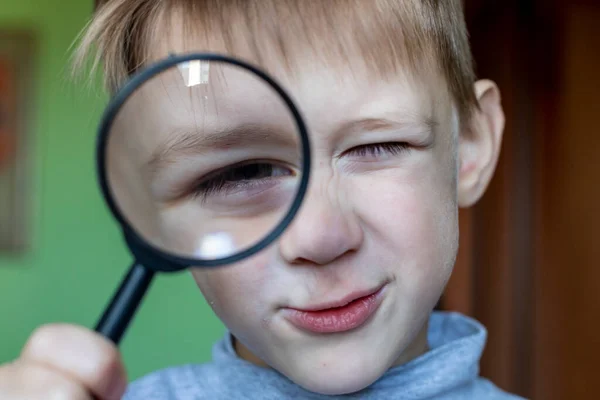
(240, 177)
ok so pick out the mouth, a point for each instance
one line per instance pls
(340, 316)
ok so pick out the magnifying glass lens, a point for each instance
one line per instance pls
(204, 160)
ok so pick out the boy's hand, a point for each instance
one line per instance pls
(64, 362)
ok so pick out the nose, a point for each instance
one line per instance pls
(324, 229)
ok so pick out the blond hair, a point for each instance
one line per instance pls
(390, 34)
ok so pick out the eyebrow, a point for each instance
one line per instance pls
(186, 142)
(420, 125)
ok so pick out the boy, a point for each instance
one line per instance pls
(378, 226)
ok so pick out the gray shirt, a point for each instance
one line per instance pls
(450, 370)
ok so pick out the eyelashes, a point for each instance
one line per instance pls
(256, 175)
(379, 149)
(240, 177)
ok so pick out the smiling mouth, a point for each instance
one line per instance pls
(337, 317)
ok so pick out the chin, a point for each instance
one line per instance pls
(344, 375)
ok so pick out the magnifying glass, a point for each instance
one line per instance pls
(204, 161)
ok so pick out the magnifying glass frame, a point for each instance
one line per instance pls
(148, 259)
(155, 258)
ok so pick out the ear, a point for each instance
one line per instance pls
(479, 146)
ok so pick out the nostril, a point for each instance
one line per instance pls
(302, 261)
(321, 261)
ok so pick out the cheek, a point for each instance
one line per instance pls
(234, 292)
(411, 219)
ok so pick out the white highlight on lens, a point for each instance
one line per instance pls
(195, 72)
(215, 245)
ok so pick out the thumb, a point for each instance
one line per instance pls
(81, 354)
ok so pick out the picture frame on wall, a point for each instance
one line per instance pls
(17, 53)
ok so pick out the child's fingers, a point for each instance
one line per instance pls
(81, 354)
(24, 380)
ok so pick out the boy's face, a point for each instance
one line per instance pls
(376, 219)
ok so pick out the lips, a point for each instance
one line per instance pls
(335, 317)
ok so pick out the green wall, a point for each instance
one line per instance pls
(77, 257)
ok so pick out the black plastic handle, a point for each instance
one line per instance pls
(125, 302)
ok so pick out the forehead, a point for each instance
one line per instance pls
(322, 93)
(324, 90)
(317, 53)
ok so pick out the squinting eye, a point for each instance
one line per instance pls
(239, 177)
(379, 149)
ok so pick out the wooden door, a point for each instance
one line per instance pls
(528, 264)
